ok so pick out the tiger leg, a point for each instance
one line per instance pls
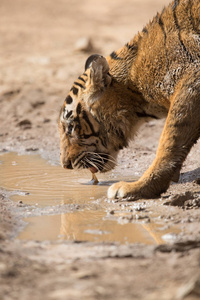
(181, 131)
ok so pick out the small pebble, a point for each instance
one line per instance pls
(84, 44)
(197, 181)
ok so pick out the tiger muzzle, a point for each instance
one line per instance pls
(67, 165)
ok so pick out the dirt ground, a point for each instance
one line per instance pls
(43, 48)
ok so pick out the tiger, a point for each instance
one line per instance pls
(155, 75)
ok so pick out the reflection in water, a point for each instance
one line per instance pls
(49, 185)
(88, 226)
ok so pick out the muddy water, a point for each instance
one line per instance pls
(46, 184)
(35, 182)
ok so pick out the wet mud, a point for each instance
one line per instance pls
(60, 237)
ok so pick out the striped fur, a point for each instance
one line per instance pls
(155, 75)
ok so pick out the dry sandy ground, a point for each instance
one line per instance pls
(39, 60)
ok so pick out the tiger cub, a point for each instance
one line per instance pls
(155, 75)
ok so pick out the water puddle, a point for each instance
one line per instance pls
(34, 181)
(46, 184)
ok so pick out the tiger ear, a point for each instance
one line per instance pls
(99, 71)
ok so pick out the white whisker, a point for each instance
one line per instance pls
(101, 161)
(93, 164)
(108, 158)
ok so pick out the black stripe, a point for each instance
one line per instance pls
(79, 84)
(87, 136)
(132, 47)
(103, 142)
(68, 114)
(76, 119)
(160, 22)
(145, 30)
(77, 124)
(69, 99)
(80, 78)
(135, 92)
(78, 109)
(78, 161)
(86, 119)
(113, 55)
(144, 115)
(176, 2)
(74, 90)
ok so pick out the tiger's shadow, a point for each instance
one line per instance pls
(107, 182)
(189, 176)
(185, 177)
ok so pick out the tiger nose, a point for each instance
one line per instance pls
(67, 164)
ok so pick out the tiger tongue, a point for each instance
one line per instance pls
(93, 169)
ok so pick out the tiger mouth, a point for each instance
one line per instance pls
(93, 170)
(95, 162)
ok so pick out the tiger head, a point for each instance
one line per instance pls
(90, 125)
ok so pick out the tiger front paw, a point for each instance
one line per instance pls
(124, 190)
(133, 190)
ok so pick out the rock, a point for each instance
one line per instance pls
(25, 124)
(179, 200)
(46, 120)
(31, 149)
(192, 203)
(197, 181)
(84, 44)
(37, 104)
